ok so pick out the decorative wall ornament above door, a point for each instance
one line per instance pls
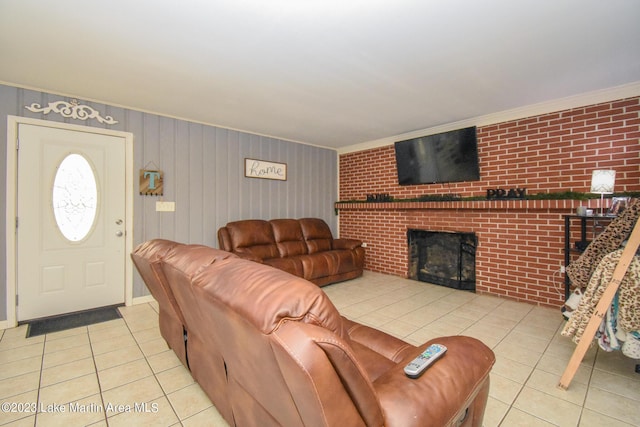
(72, 110)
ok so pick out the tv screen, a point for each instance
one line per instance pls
(444, 157)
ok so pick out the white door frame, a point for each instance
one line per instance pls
(11, 204)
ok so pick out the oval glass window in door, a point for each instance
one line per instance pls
(75, 197)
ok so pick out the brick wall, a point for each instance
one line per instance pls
(520, 250)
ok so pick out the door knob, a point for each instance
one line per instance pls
(119, 233)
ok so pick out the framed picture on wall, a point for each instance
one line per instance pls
(254, 168)
(618, 205)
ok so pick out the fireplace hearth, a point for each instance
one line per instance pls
(443, 258)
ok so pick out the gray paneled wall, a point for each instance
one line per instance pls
(203, 173)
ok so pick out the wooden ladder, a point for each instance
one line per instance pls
(602, 307)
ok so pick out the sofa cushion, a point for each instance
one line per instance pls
(317, 265)
(188, 260)
(247, 304)
(342, 260)
(179, 266)
(292, 265)
(328, 263)
(266, 296)
(255, 236)
(328, 381)
(377, 351)
(288, 237)
(386, 345)
(317, 234)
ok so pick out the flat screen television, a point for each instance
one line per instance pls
(444, 157)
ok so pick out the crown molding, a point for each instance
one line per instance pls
(581, 100)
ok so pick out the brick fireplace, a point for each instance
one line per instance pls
(519, 242)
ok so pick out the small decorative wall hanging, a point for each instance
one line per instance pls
(151, 181)
(501, 194)
(265, 170)
(72, 110)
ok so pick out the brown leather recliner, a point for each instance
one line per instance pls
(147, 259)
(206, 362)
(273, 350)
(303, 247)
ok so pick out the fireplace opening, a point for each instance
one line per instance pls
(443, 258)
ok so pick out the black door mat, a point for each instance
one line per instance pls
(72, 320)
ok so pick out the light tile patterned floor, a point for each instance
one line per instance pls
(121, 373)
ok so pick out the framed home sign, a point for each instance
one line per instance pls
(254, 168)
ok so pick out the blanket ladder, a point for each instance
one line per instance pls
(602, 307)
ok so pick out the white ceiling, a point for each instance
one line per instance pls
(333, 73)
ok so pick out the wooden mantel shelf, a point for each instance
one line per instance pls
(527, 205)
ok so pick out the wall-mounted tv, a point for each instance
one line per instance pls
(444, 157)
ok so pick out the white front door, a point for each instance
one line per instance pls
(70, 221)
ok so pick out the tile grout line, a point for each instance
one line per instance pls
(590, 387)
(153, 373)
(146, 359)
(523, 385)
(180, 421)
(504, 416)
(95, 366)
(586, 394)
(44, 345)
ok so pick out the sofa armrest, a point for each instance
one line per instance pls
(346, 243)
(224, 239)
(382, 343)
(454, 388)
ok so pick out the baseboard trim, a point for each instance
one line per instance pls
(142, 300)
(4, 324)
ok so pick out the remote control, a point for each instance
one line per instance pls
(417, 366)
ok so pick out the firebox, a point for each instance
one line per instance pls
(443, 258)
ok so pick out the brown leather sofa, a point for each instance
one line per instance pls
(270, 349)
(303, 247)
